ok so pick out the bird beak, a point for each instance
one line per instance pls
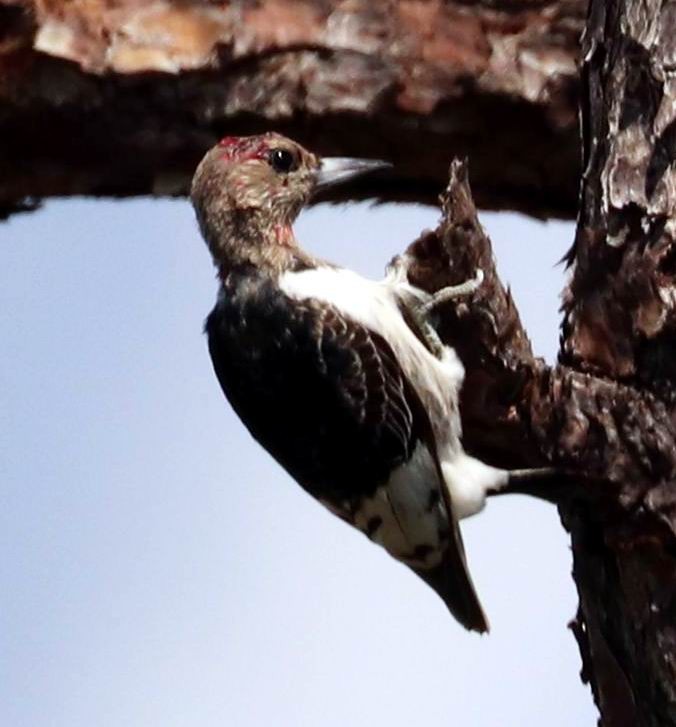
(335, 170)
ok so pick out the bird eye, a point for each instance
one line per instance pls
(282, 161)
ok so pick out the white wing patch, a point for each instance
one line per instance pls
(407, 516)
(437, 382)
(374, 305)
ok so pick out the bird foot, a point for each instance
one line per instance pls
(421, 304)
(453, 292)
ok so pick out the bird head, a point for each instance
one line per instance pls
(248, 190)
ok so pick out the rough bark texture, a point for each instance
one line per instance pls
(620, 319)
(620, 439)
(607, 411)
(621, 306)
(118, 97)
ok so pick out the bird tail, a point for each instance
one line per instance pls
(452, 581)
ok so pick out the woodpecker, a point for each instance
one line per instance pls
(340, 378)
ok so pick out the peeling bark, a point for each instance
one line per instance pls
(106, 97)
(605, 414)
(517, 411)
(620, 320)
(615, 442)
(621, 305)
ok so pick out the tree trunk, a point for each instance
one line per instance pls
(122, 98)
(620, 320)
(108, 98)
(606, 414)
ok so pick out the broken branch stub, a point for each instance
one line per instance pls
(616, 443)
(123, 98)
(484, 328)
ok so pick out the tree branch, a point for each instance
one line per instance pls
(100, 97)
(517, 411)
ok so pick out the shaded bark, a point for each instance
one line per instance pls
(617, 444)
(122, 98)
(517, 411)
(620, 308)
(606, 414)
(620, 319)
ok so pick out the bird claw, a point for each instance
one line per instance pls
(453, 292)
(397, 273)
(422, 304)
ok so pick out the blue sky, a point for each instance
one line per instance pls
(158, 568)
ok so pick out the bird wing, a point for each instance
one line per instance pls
(320, 392)
(411, 515)
(327, 397)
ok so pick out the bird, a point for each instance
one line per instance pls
(342, 379)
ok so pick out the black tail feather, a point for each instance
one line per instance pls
(452, 581)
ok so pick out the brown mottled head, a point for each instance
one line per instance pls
(248, 190)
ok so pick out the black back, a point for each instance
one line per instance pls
(323, 394)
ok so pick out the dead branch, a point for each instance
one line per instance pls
(107, 98)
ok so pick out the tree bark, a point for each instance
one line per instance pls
(605, 415)
(122, 98)
(615, 445)
(620, 319)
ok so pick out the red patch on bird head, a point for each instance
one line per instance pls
(243, 148)
(284, 235)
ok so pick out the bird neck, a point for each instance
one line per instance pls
(249, 238)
